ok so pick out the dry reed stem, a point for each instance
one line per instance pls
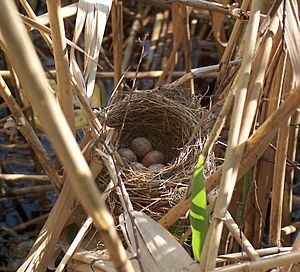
(217, 21)
(278, 184)
(30, 190)
(291, 154)
(25, 225)
(231, 44)
(169, 219)
(292, 31)
(161, 26)
(234, 149)
(289, 229)
(295, 249)
(265, 169)
(42, 250)
(209, 73)
(240, 256)
(23, 177)
(30, 72)
(135, 28)
(32, 15)
(200, 72)
(185, 26)
(264, 264)
(66, 11)
(65, 205)
(75, 244)
(211, 6)
(240, 237)
(117, 33)
(257, 80)
(31, 222)
(60, 53)
(256, 84)
(169, 64)
(86, 109)
(29, 134)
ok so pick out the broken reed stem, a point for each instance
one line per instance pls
(29, 134)
(117, 34)
(60, 53)
(234, 149)
(30, 72)
(200, 72)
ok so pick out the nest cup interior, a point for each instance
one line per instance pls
(153, 116)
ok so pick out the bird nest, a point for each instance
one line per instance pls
(167, 118)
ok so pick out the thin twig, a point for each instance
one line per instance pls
(142, 42)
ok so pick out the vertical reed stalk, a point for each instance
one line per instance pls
(236, 32)
(278, 185)
(187, 43)
(234, 150)
(265, 168)
(29, 69)
(117, 31)
(291, 154)
(61, 61)
(278, 182)
(135, 28)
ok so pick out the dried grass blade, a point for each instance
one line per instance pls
(91, 15)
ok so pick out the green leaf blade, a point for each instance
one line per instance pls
(198, 211)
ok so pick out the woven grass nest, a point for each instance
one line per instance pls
(167, 118)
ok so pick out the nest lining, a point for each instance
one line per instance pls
(167, 118)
